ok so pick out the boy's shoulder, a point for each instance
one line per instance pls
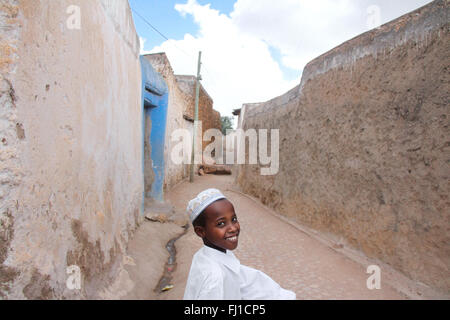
(204, 264)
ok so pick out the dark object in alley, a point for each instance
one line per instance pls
(214, 169)
(164, 283)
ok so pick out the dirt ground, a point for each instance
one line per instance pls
(299, 259)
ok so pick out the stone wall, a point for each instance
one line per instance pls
(70, 144)
(364, 145)
(209, 117)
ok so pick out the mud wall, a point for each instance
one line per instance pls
(178, 104)
(364, 145)
(70, 144)
(181, 114)
(209, 117)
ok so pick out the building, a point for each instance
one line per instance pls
(181, 108)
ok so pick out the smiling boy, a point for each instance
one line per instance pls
(216, 274)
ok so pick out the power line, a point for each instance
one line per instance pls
(159, 32)
(154, 28)
(166, 38)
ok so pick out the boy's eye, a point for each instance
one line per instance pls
(234, 218)
(221, 223)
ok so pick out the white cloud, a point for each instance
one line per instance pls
(142, 44)
(238, 66)
(304, 29)
(301, 30)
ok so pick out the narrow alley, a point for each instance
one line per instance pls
(335, 156)
(298, 260)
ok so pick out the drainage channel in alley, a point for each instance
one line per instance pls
(164, 283)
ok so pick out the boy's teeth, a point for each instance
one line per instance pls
(232, 238)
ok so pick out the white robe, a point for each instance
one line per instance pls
(215, 275)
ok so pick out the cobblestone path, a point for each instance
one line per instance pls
(293, 258)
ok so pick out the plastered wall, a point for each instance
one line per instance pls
(364, 145)
(71, 144)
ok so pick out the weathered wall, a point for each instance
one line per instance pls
(364, 145)
(71, 144)
(178, 103)
(210, 118)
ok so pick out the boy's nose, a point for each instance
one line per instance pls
(233, 229)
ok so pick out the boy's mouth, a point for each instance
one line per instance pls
(233, 238)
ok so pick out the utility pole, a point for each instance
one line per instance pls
(197, 93)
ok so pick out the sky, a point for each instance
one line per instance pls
(254, 50)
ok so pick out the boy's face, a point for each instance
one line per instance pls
(221, 226)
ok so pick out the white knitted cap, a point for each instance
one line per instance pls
(201, 201)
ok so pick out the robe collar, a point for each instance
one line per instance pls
(228, 259)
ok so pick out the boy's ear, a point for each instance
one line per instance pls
(200, 231)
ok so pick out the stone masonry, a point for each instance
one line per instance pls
(210, 118)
